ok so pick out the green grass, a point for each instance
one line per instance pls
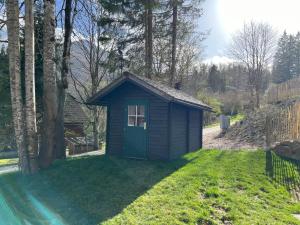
(205, 187)
(236, 118)
(7, 162)
(233, 119)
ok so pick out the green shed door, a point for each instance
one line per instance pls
(135, 129)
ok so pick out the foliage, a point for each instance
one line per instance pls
(209, 117)
(188, 40)
(233, 119)
(211, 101)
(191, 190)
(232, 102)
(287, 58)
(215, 80)
(6, 129)
(236, 118)
(5, 109)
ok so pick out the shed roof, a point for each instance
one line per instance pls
(155, 87)
(73, 111)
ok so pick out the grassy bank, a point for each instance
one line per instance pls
(8, 162)
(205, 187)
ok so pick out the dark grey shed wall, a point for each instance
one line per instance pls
(195, 129)
(178, 142)
(185, 130)
(157, 122)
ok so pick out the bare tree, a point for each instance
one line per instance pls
(254, 47)
(31, 128)
(149, 37)
(62, 82)
(174, 42)
(12, 23)
(91, 57)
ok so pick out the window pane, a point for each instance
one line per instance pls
(131, 121)
(140, 121)
(141, 110)
(132, 110)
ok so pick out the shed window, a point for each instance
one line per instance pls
(136, 115)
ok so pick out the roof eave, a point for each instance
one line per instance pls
(92, 100)
(95, 100)
(203, 107)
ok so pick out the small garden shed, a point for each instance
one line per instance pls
(146, 119)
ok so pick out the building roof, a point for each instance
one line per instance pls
(155, 87)
(73, 111)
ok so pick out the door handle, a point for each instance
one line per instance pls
(145, 125)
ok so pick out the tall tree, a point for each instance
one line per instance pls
(7, 138)
(254, 46)
(286, 63)
(50, 86)
(149, 37)
(30, 87)
(297, 54)
(62, 83)
(12, 8)
(93, 54)
(174, 40)
(215, 80)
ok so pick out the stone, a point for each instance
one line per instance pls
(289, 149)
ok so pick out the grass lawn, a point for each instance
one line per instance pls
(204, 187)
(7, 162)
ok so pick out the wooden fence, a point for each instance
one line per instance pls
(283, 124)
(283, 91)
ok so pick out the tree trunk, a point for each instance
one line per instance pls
(63, 84)
(60, 150)
(174, 45)
(146, 40)
(12, 8)
(30, 87)
(149, 38)
(50, 86)
(95, 109)
(96, 128)
(257, 95)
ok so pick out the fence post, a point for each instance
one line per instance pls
(267, 133)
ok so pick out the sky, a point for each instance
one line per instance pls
(224, 17)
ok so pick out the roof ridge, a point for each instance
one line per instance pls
(165, 86)
(154, 86)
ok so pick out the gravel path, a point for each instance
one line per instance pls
(13, 168)
(97, 152)
(212, 141)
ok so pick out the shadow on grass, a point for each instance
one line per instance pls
(87, 190)
(283, 170)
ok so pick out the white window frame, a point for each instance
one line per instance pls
(134, 115)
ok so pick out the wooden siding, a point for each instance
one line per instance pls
(157, 121)
(186, 130)
(195, 127)
(201, 128)
(179, 127)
